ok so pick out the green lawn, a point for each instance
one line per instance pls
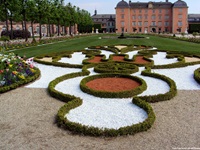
(83, 42)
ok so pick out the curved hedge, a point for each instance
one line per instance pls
(21, 82)
(160, 97)
(94, 131)
(123, 94)
(197, 75)
(116, 67)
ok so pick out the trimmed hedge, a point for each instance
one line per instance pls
(94, 131)
(160, 97)
(21, 82)
(116, 67)
(197, 75)
(105, 94)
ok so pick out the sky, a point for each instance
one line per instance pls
(108, 6)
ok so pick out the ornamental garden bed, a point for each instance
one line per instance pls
(104, 113)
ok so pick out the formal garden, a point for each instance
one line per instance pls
(108, 84)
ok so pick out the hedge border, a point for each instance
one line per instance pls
(116, 67)
(21, 82)
(104, 94)
(94, 131)
(160, 97)
(197, 75)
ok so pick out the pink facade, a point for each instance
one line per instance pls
(146, 17)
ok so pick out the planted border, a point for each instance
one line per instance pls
(21, 82)
(123, 94)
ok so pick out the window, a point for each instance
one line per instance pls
(180, 10)
(145, 23)
(133, 23)
(167, 11)
(153, 17)
(153, 23)
(122, 16)
(146, 10)
(134, 11)
(166, 24)
(122, 10)
(146, 16)
(180, 16)
(139, 23)
(159, 23)
(122, 23)
(139, 17)
(166, 17)
(134, 17)
(180, 24)
(160, 17)
(140, 10)
(153, 10)
(160, 10)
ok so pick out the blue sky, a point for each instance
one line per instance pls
(108, 6)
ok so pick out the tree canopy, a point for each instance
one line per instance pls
(50, 12)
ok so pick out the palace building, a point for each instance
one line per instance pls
(146, 17)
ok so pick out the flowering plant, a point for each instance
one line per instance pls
(14, 68)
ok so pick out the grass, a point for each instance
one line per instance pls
(83, 42)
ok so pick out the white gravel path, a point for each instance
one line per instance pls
(182, 76)
(76, 58)
(160, 59)
(131, 54)
(49, 73)
(154, 86)
(106, 53)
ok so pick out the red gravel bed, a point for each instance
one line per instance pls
(112, 84)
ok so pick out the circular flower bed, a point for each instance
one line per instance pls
(113, 85)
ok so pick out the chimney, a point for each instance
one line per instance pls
(167, 1)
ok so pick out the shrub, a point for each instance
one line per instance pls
(4, 38)
(16, 34)
(197, 75)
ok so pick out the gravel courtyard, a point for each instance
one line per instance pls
(27, 121)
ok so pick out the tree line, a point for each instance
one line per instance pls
(50, 12)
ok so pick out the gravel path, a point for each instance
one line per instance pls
(27, 121)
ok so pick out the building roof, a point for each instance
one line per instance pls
(154, 4)
(165, 4)
(103, 16)
(193, 15)
(180, 4)
(122, 4)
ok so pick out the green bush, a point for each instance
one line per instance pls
(160, 97)
(116, 67)
(197, 75)
(4, 38)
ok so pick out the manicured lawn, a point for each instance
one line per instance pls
(83, 42)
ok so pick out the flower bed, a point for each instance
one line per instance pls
(15, 71)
